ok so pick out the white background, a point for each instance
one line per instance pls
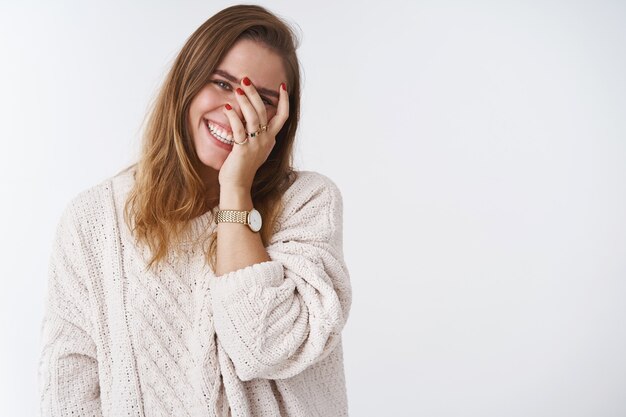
(480, 148)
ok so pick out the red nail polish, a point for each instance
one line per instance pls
(246, 81)
(240, 91)
(283, 86)
(228, 107)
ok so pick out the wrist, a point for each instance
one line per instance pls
(235, 198)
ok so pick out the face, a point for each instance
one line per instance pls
(245, 59)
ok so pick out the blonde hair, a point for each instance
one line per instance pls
(168, 190)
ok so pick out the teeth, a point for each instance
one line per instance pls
(220, 133)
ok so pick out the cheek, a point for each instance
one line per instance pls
(207, 99)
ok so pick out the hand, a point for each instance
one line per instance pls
(241, 165)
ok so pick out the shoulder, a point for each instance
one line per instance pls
(308, 184)
(96, 204)
(312, 205)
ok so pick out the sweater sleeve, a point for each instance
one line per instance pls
(68, 368)
(276, 318)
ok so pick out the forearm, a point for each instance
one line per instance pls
(237, 245)
(275, 319)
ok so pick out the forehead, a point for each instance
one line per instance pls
(256, 61)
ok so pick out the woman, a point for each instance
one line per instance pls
(207, 279)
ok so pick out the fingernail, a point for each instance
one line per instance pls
(228, 107)
(246, 81)
(240, 91)
(283, 86)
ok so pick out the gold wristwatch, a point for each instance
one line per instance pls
(252, 218)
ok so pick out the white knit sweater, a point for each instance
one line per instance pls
(120, 340)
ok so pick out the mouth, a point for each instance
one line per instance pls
(219, 133)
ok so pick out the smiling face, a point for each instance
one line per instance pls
(246, 58)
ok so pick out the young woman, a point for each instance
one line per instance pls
(208, 278)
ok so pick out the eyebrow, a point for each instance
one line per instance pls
(262, 90)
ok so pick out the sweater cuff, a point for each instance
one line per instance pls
(263, 274)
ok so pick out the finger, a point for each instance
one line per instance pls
(282, 110)
(255, 99)
(249, 112)
(236, 125)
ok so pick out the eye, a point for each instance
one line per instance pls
(225, 86)
(222, 84)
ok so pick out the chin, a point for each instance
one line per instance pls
(213, 162)
(212, 159)
(216, 165)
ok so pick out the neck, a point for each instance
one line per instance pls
(210, 177)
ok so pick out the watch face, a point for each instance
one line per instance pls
(254, 220)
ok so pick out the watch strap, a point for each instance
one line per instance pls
(232, 216)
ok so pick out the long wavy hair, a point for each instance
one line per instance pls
(168, 191)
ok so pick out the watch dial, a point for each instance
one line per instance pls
(254, 218)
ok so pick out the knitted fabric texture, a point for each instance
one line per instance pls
(265, 340)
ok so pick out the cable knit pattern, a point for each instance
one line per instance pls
(265, 340)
